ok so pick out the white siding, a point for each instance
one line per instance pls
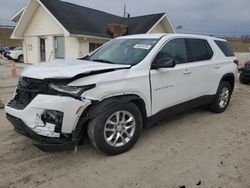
(43, 24)
(164, 26)
(71, 48)
(31, 50)
(84, 45)
(159, 28)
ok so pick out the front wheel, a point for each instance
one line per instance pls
(117, 129)
(222, 98)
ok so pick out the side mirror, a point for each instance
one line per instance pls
(164, 63)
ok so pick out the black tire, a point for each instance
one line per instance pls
(96, 129)
(20, 59)
(215, 106)
(243, 80)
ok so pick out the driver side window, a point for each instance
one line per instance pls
(176, 50)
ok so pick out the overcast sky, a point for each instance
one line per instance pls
(219, 17)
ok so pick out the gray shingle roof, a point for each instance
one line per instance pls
(81, 20)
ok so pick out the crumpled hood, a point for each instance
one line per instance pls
(63, 69)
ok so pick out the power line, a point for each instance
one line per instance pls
(210, 31)
(213, 32)
(219, 32)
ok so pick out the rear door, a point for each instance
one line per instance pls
(201, 67)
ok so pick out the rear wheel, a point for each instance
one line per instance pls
(117, 129)
(222, 98)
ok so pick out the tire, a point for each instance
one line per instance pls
(243, 80)
(224, 89)
(20, 59)
(103, 131)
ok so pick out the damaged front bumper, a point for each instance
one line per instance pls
(49, 133)
(42, 142)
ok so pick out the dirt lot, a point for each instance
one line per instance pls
(198, 147)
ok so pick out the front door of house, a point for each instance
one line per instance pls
(59, 47)
(42, 50)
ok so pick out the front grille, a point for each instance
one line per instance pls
(27, 90)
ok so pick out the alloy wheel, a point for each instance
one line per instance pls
(119, 128)
(224, 97)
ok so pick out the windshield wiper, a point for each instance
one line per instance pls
(103, 61)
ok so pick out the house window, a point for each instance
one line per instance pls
(93, 46)
(59, 47)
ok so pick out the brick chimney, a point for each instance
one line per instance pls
(117, 30)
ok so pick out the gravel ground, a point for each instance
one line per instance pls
(195, 149)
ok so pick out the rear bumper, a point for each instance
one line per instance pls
(46, 144)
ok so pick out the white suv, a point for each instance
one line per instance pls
(125, 85)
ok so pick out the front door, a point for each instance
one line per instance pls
(42, 50)
(171, 86)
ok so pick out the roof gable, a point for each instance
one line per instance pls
(42, 24)
(26, 17)
(79, 20)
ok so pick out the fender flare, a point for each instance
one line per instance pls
(227, 77)
(98, 107)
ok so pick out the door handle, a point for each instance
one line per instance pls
(217, 66)
(187, 71)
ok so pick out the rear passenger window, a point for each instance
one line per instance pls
(225, 48)
(175, 49)
(200, 50)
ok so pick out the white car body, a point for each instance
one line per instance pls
(159, 89)
(15, 54)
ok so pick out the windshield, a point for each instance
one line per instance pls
(124, 51)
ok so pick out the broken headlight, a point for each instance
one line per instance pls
(73, 91)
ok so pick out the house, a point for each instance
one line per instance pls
(54, 29)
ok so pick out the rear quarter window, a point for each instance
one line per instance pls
(225, 48)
